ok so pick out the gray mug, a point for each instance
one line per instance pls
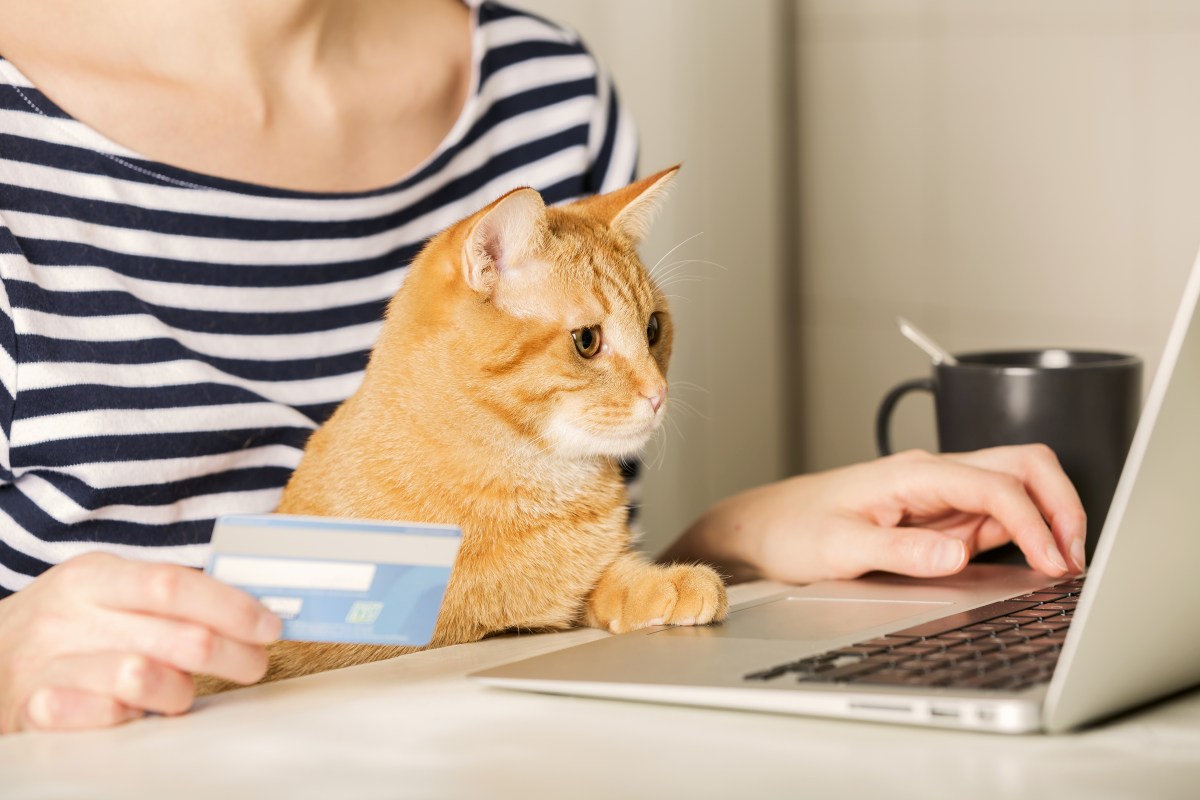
(1083, 404)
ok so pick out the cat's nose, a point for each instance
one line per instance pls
(655, 396)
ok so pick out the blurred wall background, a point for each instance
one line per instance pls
(703, 81)
(1005, 173)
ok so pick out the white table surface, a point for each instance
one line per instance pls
(415, 727)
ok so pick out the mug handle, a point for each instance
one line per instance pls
(883, 419)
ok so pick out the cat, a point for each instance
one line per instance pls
(524, 355)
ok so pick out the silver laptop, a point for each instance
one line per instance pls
(998, 647)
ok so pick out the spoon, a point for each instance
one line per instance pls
(939, 354)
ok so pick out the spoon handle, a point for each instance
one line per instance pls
(935, 351)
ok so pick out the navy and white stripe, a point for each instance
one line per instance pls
(169, 340)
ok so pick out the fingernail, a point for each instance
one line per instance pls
(269, 628)
(1055, 557)
(1077, 554)
(948, 556)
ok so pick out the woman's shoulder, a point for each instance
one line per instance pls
(519, 21)
(511, 36)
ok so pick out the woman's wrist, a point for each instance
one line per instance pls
(729, 536)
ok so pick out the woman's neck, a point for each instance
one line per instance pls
(327, 95)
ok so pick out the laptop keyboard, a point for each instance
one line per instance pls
(1008, 645)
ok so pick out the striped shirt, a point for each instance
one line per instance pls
(169, 340)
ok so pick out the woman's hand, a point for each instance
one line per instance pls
(99, 640)
(912, 513)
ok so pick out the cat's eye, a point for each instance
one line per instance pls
(653, 329)
(587, 340)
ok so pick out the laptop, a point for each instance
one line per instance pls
(996, 648)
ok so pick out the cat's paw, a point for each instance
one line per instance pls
(675, 595)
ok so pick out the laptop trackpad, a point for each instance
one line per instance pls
(808, 618)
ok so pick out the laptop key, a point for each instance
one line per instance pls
(1009, 640)
(841, 674)
(985, 681)
(983, 646)
(1004, 608)
(960, 636)
(1051, 625)
(972, 645)
(766, 674)
(994, 626)
(888, 641)
(860, 650)
(1042, 597)
(902, 678)
(1030, 649)
(916, 650)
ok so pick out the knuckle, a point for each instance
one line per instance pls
(44, 635)
(182, 700)
(257, 663)
(85, 560)
(134, 677)
(161, 584)
(248, 613)
(1044, 452)
(1002, 485)
(44, 709)
(74, 569)
(1008, 484)
(913, 456)
(196, 647)
(1076, 519)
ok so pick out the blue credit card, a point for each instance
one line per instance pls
(339, 580)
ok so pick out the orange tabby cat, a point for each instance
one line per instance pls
(524, 355)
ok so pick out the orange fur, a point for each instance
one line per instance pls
(476, 409)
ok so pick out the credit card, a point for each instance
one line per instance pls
(339, 580)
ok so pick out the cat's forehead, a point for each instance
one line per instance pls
(598, 274)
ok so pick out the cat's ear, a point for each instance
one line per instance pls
(631, 210)
(503, 239)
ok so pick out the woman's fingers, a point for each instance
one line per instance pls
(72, 709)
(1037, 467)
(186, 646)
(168, 590)
(858, 547)
(98, 639)
(930, 483)
(133, 680)
(171, 614)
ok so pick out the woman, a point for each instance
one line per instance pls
(203, 208)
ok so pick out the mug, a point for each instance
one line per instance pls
(1084, 405)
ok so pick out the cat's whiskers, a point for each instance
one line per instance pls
(681, 279)
(680, 276)
(651, 271)
(678, 432)
(657, 444)
(689, 386)
(677, 266)
(687, 408)
(662, 450)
